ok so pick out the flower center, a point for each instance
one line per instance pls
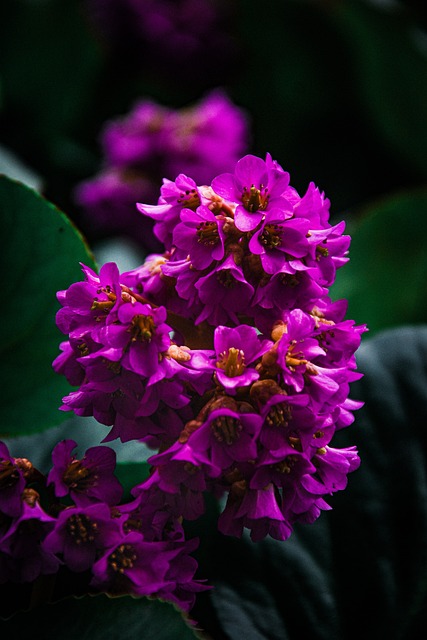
(321, 252)
(207, 234)
(122, 558)
(104, 305)
(81, 528)
(271, 237)
(142, 328)
(293, 357)
(232, 362)
(254, 199)
(9, 474)
(226, 429)
(78, 477)
(286, 465)
(30, 496)
(225, 278)
(279, 415)
(189, 199)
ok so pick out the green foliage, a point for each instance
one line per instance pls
(40, 256)
(100, 617)
(388, 263)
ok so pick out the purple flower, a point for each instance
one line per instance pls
(235, 350)
(138, 340)
(332, 465)
(254, 186)
(177, 488)
(81, 534)
(147, 568)
(226, 437)
(288, 421)
(66, 363)
(182, 193)
(86, 305)
(22, 555)
(88, 480)
(283, 470)
(224, 291)
(200, 235)
(256, 510)
(281, 238)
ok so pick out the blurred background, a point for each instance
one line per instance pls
(335, 90)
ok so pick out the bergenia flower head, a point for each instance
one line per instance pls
(226, 355)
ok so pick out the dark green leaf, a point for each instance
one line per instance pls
(387, 271)
(131, 474)
(40, 256)
(101, 617)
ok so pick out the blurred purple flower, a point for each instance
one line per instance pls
(154, 143)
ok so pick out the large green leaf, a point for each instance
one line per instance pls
(385, 278)
(40, 256)
(101, 617)
(360, 571)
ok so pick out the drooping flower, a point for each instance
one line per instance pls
(22, 555)
(148, 568)
(81, 534)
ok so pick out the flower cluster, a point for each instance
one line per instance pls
(224, 352)
(71, 520)
(154, 141)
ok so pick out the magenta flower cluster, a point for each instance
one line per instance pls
(154, 141)
(71, 520)
(225, 354)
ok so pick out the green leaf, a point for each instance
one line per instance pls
(40, 256)
(387, 271)
(131, 474)
(100, 617)
(360, 571)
